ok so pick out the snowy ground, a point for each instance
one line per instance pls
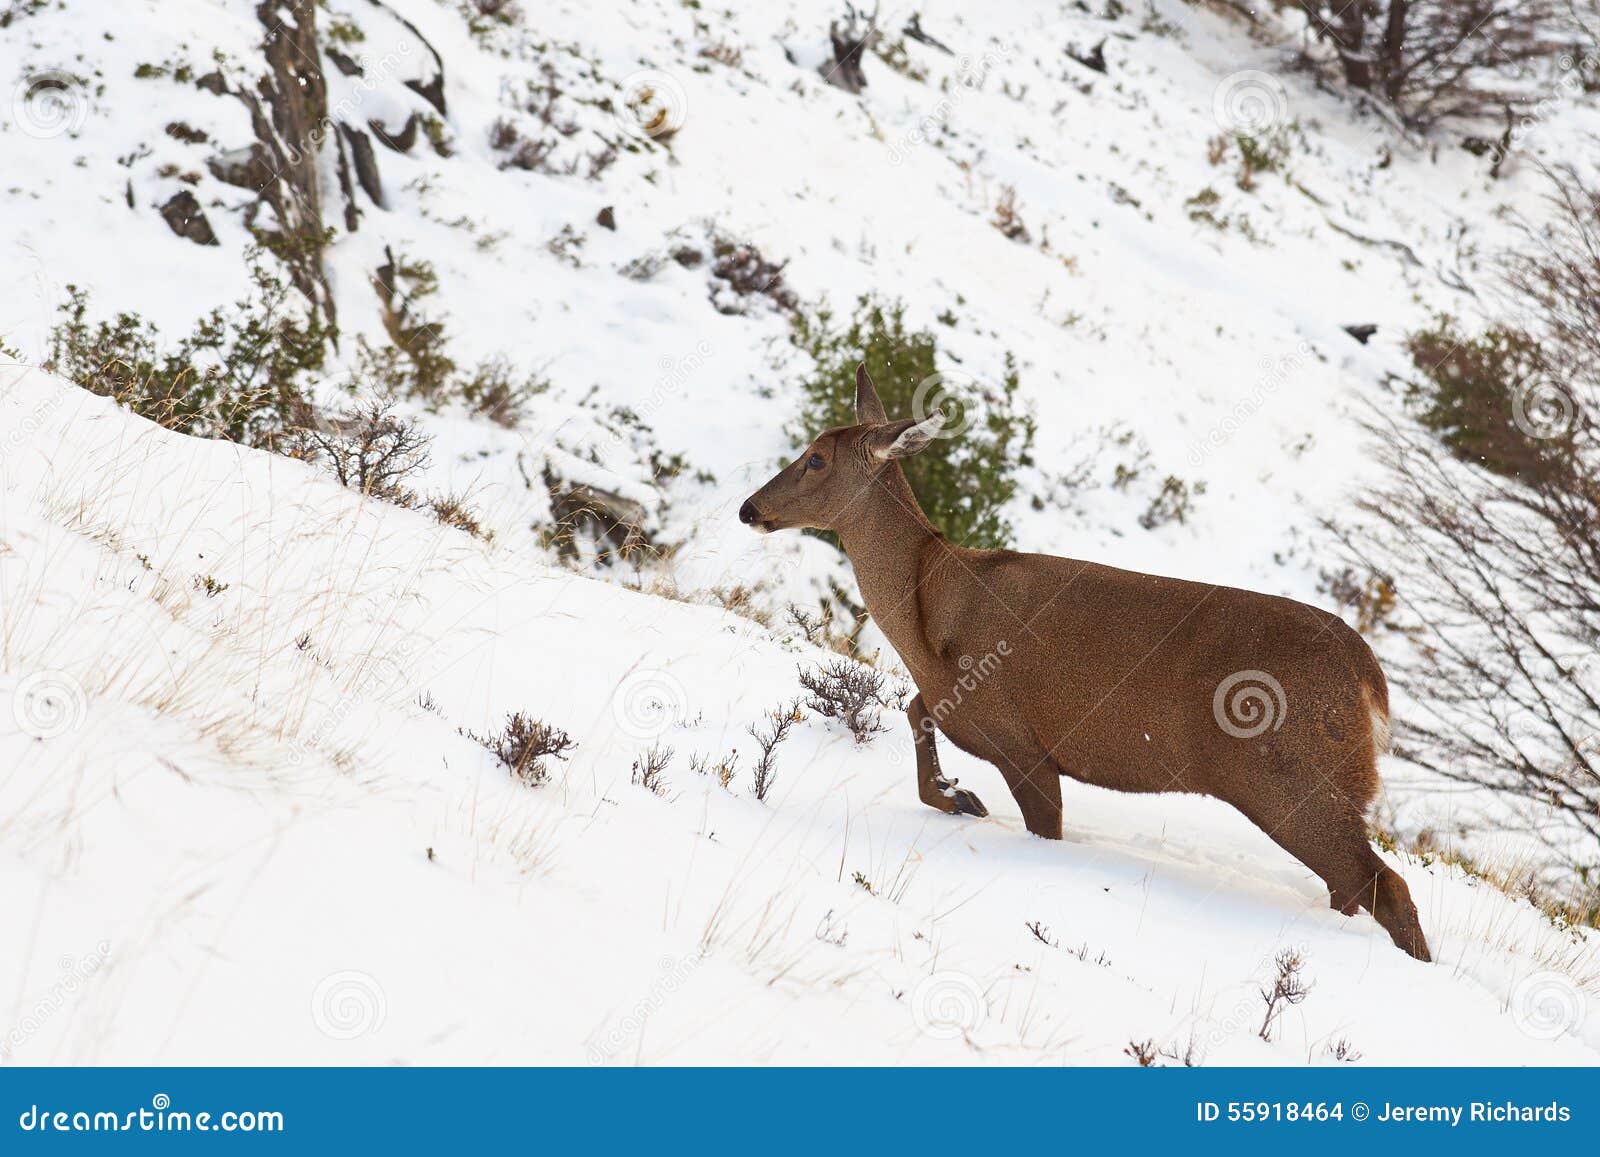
(228, 844)
(245, 823)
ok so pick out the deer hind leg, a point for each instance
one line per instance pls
(932, 787)
(1324, 831)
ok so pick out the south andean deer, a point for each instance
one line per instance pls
(1130, 681)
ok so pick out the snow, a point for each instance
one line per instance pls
(289, 859)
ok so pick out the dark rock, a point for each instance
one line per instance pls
(402, 141)
(366, 164)
(432, 91)
(213, 83)
(1362, 333)
(185, 217)
(188, 134)
(1094, 59)
(343, 63)
(608, 218)
(244, 168)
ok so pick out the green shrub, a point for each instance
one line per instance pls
(1481, 395)
(963, 481)
(238, 375)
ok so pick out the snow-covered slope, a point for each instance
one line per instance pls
(230, 830)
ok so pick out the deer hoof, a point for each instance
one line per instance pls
(967, 804)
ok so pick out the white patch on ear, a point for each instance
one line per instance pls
(914, 438)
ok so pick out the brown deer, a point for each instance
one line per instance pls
(1048, 666)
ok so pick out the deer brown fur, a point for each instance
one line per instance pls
(1047, 666)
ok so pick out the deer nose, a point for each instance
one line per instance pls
(748, 514)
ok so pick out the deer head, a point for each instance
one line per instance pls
(820, 488)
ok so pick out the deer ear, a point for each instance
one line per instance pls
(903, 438)
(869, 410)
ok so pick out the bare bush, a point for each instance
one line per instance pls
(1288, 988)
(745, 273)
(523, 745)
(1008, 217)
(1488, 533)
(649, 770)
(849, 692)
(453, 510)
(1143, 1052)
(779, 723)
(368, 448)
(851, 38)
(722, 770)
(1433, 59)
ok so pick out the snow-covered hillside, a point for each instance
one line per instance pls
(241, 816)
(233, 832)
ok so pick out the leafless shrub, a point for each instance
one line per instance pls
(1008, 217)
(368, 448)
(453, 510)
(724, 53)
(746, 273)
(1435, 59)
(779, 723)
(1488, 532)
(499, 392)
(523, 745)
(1342, 1050)
(723, 770)
(1143, 1052)
(851, 39)
(850, 693)
(1288, 988)
(650, 768)
(830, 932)
(1042, 934)
(1189, 1058)
(818, 629)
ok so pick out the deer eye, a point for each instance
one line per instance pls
(815, 462)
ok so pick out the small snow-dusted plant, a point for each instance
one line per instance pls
(742, 275)
(1143, 1051)
(779, 723)
(850, 693)
(452, 510)
(1189, 1058)
(209, 586)
(1008, 217)
(723, 770)
(1174, 502)
(1343, 1051)
(1288, 988)
(650, 768)
(524, 744)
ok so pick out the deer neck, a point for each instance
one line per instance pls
(888, 540)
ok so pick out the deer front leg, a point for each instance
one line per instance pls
(932, 787)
